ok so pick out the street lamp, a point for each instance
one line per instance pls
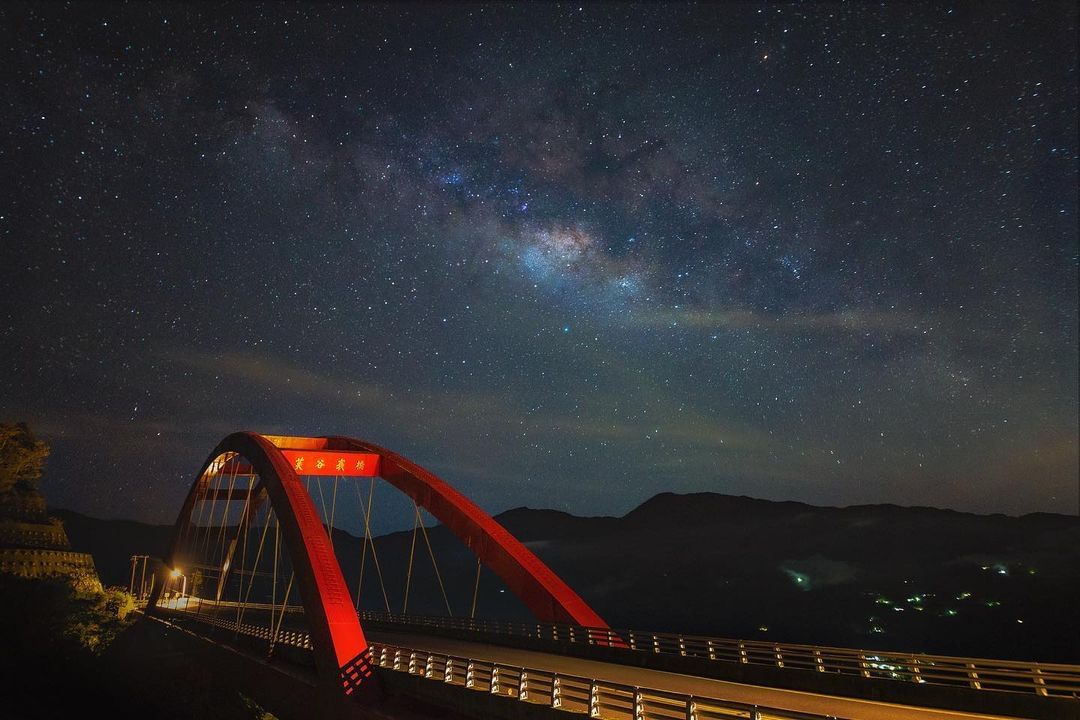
(175, 573)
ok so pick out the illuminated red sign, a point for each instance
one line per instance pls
(330, 462)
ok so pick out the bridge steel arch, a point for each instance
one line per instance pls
(339, 645)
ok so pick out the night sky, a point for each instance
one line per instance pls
(565, 256)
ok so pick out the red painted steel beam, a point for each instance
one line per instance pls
(237, 493)
(234, 468)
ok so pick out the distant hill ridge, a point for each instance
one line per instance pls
(888, 576)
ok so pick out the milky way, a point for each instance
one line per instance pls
(565, 255)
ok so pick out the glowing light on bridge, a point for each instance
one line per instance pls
(337, 463)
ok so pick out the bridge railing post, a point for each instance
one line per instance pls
(691, 708)
(712, 650)
(594, 700)
(973, 677)
(494, 688)
(429, 666)
(639, 704)
(412, 663)
(556, 691)
(523, 685)
(470, 674)
(448, 670)
(1040, 681)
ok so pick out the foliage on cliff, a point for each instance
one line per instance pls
(22, 457)
(56, 616)
(93, 639)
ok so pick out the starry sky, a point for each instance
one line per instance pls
(564, 255)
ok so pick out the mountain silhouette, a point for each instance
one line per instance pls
(872, 576)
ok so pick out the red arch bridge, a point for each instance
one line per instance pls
(254, 588)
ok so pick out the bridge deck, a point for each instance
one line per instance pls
(703, 687)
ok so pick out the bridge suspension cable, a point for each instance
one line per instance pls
(408, 573)
(476, 591)
(369, 540)
(434, 562)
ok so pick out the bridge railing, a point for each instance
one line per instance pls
(573, 693)
(294, 638)
(1045, 679)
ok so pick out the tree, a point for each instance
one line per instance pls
(22, 457)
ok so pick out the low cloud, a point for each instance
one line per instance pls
(851, 322)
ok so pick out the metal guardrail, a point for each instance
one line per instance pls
(1044, 679)
(193, 601)
(293, 638)
(571, 693)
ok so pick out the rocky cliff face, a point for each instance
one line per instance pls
(25, 505)
(33, 545)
